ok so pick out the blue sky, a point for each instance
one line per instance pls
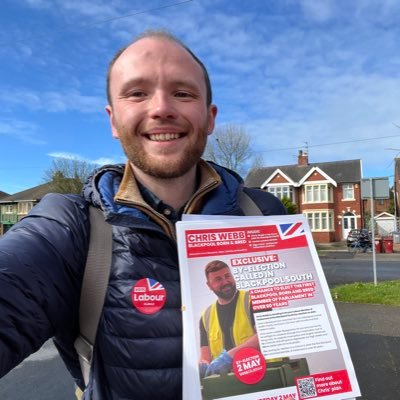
(293, 73)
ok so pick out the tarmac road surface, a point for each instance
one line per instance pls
(42, 376)
(373, 337)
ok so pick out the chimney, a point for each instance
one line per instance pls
(302, 158)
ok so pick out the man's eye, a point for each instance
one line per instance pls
(183, 94)
(137, 93)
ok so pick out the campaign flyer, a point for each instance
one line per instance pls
(259, 321)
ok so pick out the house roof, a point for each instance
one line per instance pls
(384, 215)
(339, 171)
(3, 194)
(35, 194)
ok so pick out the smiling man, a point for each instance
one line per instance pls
(160, 111)
(160, 108)
(227, 325)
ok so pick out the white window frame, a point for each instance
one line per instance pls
(348, 191)
(281, 191)
(317, 193)
(8, 209)
(24, 207)
(320, 220)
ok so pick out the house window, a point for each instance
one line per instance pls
(282, 191)
(24, 207)
(348, 191)
(7, 209)
(321, 193)
(320, 220)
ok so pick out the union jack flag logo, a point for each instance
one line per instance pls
(152, 284)
(288, 231)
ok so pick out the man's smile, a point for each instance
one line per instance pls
(164, 137)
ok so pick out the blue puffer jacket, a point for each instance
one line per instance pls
(42, 258)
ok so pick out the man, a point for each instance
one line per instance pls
(160, 108)
(227, 325)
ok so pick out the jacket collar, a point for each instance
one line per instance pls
(129, 190)
(115, 190)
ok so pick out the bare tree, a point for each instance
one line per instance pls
(67, 175)
(230, 147)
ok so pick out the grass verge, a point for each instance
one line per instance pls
(384, 293)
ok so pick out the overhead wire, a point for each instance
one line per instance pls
(138, 12)
(329, 144)
(178, 3)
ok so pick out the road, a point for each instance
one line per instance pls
(44, 377)
(346, 268)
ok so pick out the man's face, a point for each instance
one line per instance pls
(159, 109)
(222, 283)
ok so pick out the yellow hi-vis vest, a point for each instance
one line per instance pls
(242, 326)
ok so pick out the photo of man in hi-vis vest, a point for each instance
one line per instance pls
(227, 325)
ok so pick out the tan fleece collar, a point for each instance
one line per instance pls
(129, 190)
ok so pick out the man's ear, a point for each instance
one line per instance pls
(110, 114)
(212, 115)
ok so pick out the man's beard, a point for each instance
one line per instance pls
(170, 169)
(226, 295)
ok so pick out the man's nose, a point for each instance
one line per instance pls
(162, 105)
(226, 281)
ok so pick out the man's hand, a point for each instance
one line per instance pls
(221, 365)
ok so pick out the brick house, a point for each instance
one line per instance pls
(380, 205)
(327, 193)
(14, 207)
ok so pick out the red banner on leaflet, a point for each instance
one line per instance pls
(323, 384)
(208, 242)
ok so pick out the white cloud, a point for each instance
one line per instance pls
(23, 131)
(78, 157)
(72, 101)
(66, 155)
(89, 8)
(320, 11)
(108, 160)
(26, 50)
(39, 3)
(50, 101)
(289, 71)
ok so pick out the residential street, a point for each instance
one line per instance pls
(343, 267)
(372, 333)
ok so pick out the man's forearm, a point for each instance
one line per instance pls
(250, 342)
(205, 355)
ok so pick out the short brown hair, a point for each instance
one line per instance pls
(164, 35)
(214, 266)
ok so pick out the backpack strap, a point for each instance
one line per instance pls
(96, 275)
(247, 204)
(94, 287)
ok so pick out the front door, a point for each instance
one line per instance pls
(349, 223)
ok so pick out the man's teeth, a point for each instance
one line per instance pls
(160, 137)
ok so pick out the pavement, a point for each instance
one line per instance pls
(340, 250)
(372, 334)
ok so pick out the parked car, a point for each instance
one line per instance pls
(356, 234)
